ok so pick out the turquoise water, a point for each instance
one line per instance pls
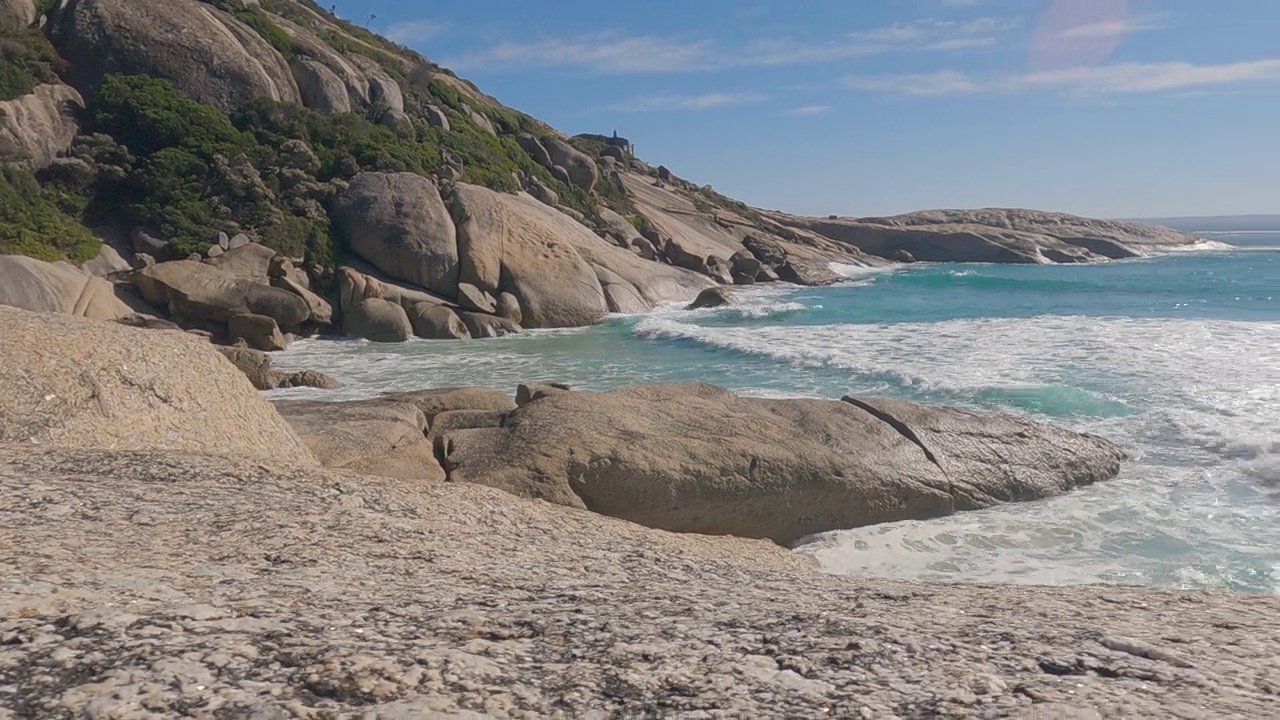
(1176, 357)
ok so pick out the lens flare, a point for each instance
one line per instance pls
(1072, 33)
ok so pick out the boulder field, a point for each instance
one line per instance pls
(173, 547)
(517, 226)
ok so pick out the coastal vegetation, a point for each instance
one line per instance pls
(151, 156)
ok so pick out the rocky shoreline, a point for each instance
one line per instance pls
(189, 185)
(177, 547)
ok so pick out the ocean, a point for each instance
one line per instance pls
(1176, 357)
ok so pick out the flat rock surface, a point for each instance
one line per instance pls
(147, 585)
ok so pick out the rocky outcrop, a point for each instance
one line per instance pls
(17, 13)
(209, 55)
(481, 325)
(382, 87)
(535, 148)
(436, 117)
(195, 291)
(370, 437)
(256, 365)
(515, 245)
(696, 458)
(711, 298)
(257, 331)
(320, 87)
(378, 320)
(398, 223)
(581, 168)
(36, 128)
(106, 263)
(78, 383)
(57, 288)
(994, 235)
(436, 322)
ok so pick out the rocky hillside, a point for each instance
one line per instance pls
(256, 170)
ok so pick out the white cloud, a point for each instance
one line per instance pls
(612, 53)
(1124, 78)
(603, 53)
(667, 102)
(943, 82)
(808, 110)
(962, 43)
(416, 31)
(1116, 27)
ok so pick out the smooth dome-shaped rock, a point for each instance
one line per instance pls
(696, 458)
(579, 166)
(504, 247)
(711, 298)
(17, 13)
(197, 291)
(398, 223)
(205, 52)
(73, 382)
(436, 322)
(57, 288)
(39, 126)
(377, 320)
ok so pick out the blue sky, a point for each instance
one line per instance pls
(1115, 108)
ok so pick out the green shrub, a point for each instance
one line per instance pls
(27, 59)
(256, 19)
(31, 224)
(147, 115)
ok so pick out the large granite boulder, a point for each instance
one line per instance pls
(195, 291)
(377, 320)
(39, 126)
(535, 148)
(398, 223)
(17, 13)
(73, 382)
(630, 283)
(518, 245)
(696, 458)
(205, 52)
(436, 322)
(321, 88)
(370, 437)
(581, 168)
(257, 331)
(57, 288)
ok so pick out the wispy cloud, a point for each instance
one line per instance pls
(943, 82)
(808, 110)
(603, 53)
(416, 31)
(1124, 78)
(1117, 27)
(612, 53)
(669, 102)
